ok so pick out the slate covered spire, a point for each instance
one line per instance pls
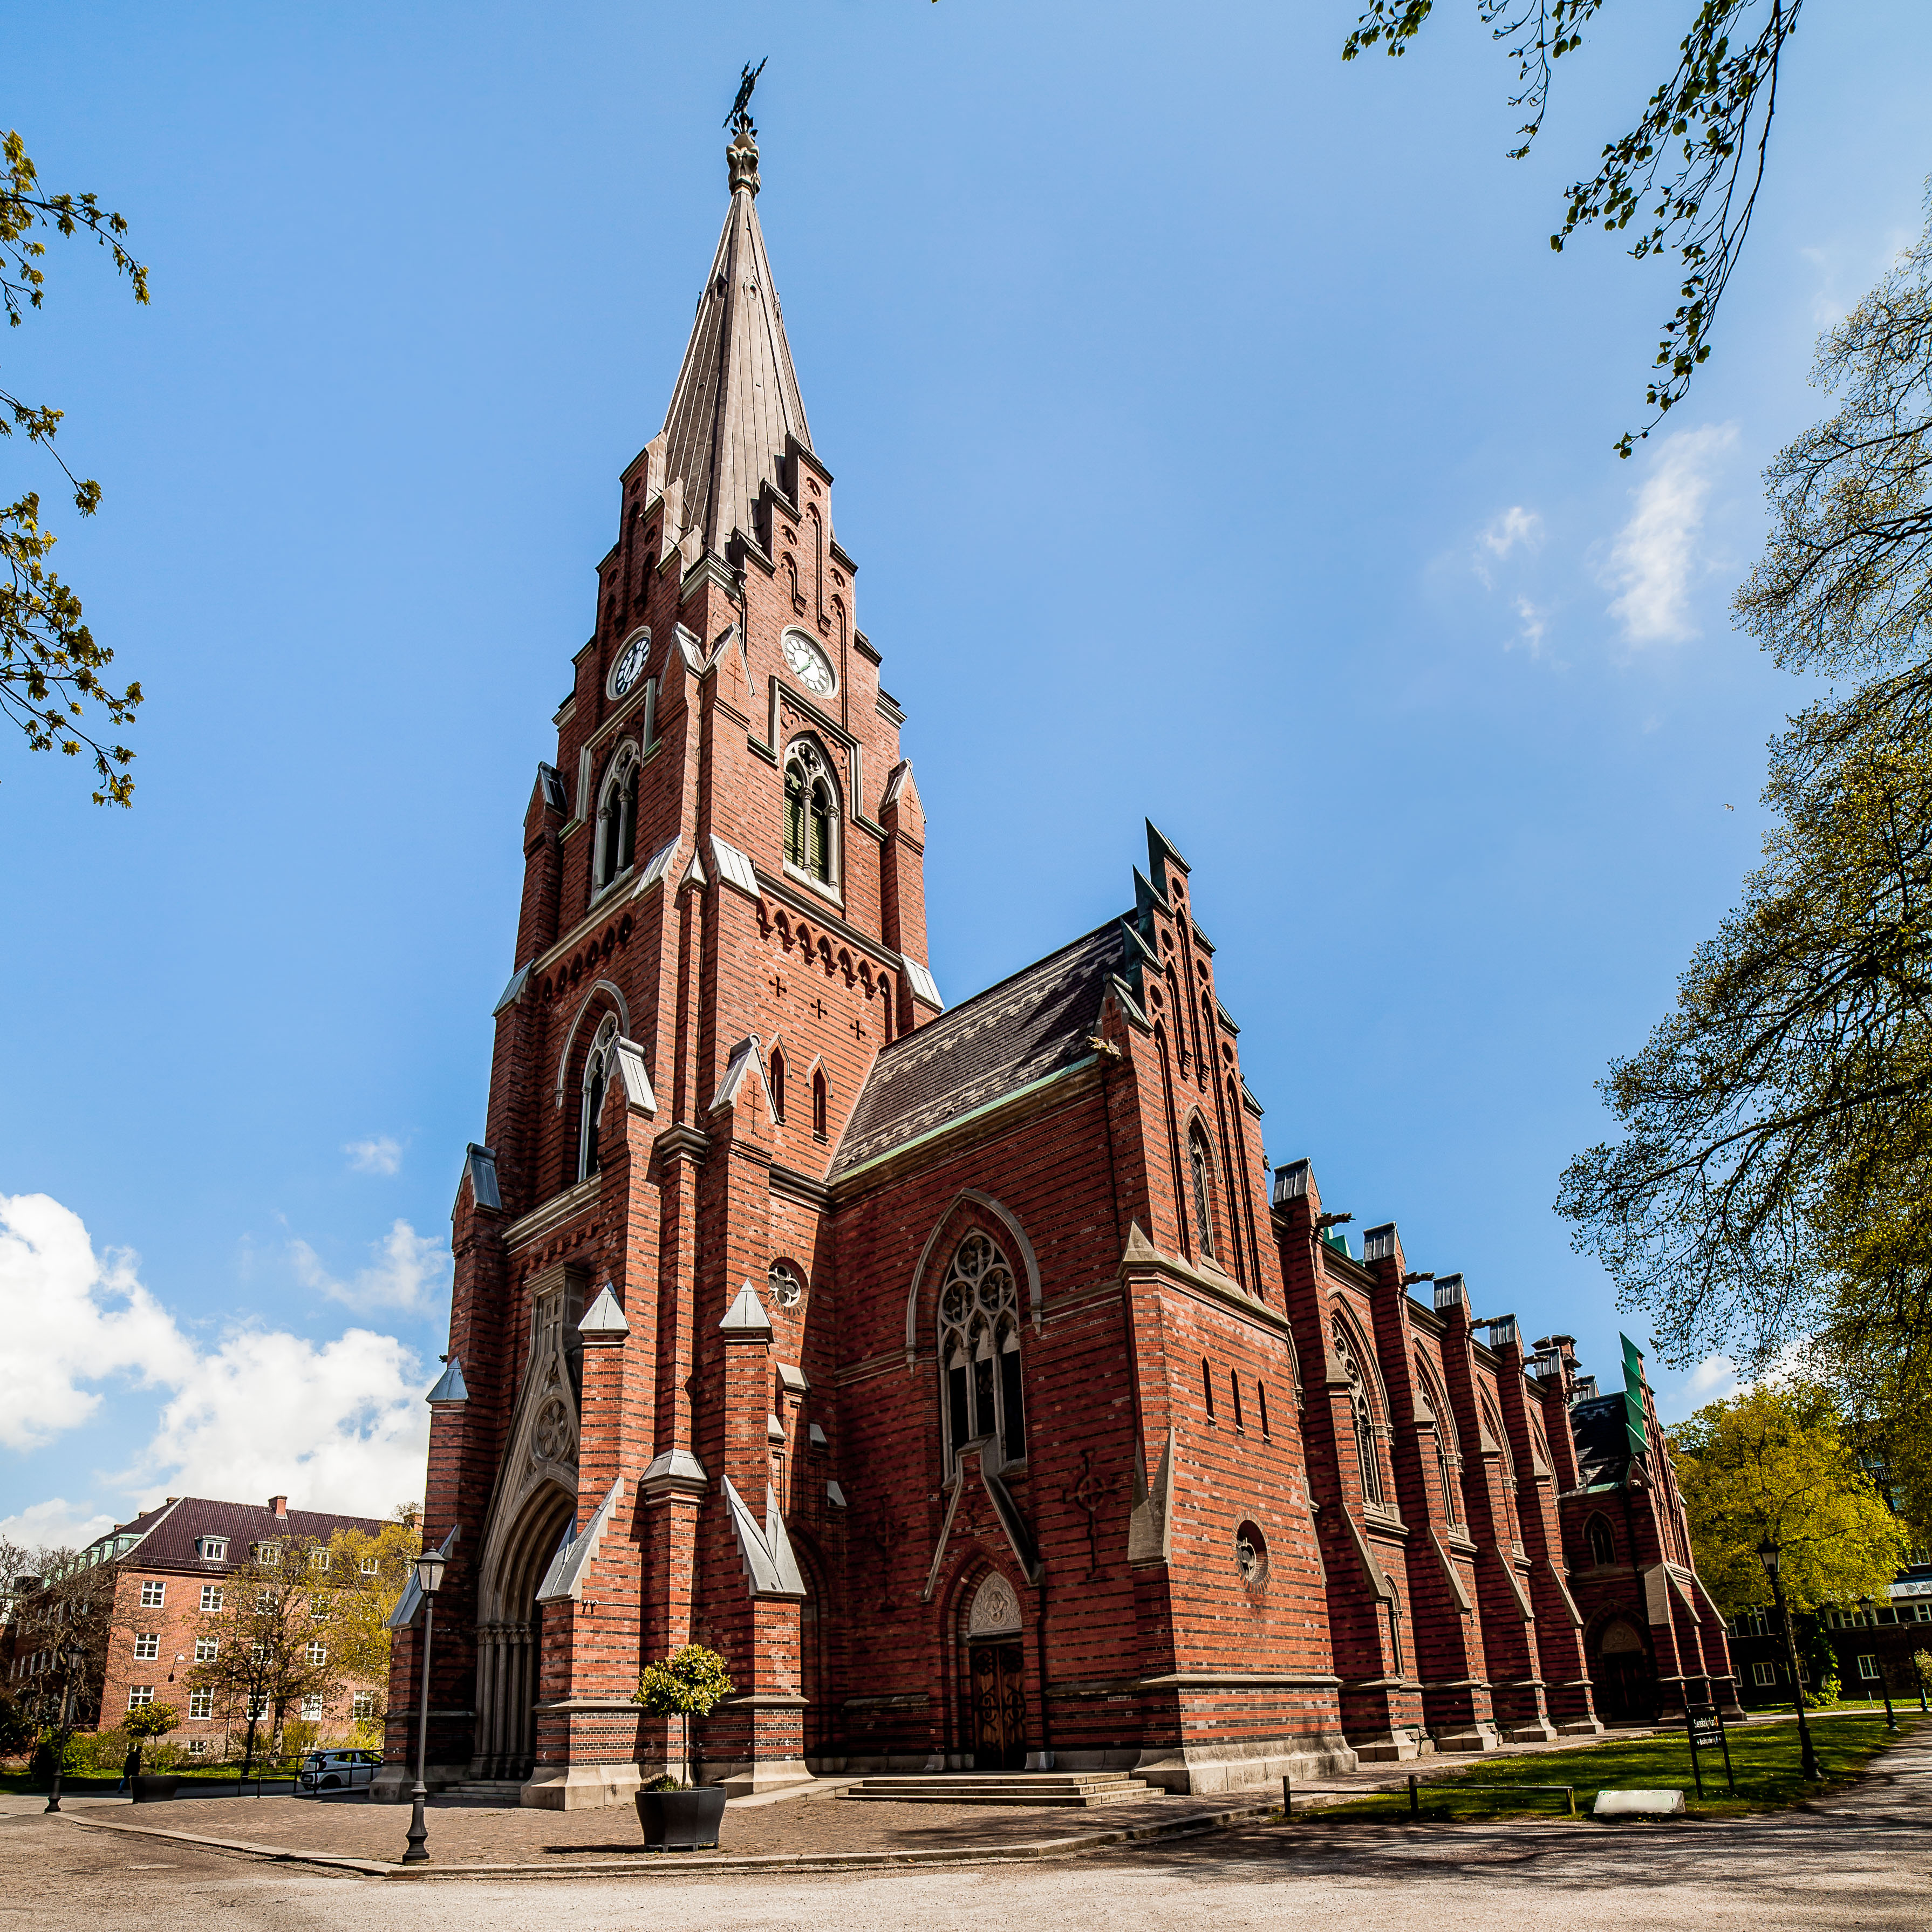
(736, 400)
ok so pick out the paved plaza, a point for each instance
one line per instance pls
(1862, 1859)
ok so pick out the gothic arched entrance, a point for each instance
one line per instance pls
(508, 1628)
(1621, 1674)
(995, 1691)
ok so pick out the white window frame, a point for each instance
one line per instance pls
(814, 761)
(362, 1706)
(140, 1694)
(371, 1566)
(200, 1706)
(211, 1549)
(211, 1597)
(147, 1646)
(315, 1654)
(153, 1595)
(207, 1649)
(1764, 1675)
(312, 1710)
(1868, 1670)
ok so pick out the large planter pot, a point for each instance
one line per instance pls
(681, 1821)
(153, 1788)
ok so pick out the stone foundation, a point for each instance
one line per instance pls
(1252, 1765)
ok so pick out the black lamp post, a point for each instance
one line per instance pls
(1769, 1554)
(429, 1580)
(71, 1660)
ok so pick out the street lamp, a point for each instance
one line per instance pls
(429, 1580)
(1769, 1554)
(72, 1658)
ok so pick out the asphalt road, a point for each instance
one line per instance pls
(1865, 1861)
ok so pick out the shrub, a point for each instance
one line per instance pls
(689, 1683)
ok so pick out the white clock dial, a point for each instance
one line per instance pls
(809, 665)
(630, 664)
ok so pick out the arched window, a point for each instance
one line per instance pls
(1204, 1210)
(1438, 1412)
(1603, 1543)
(1234, 1389)
(1260, 1398)
(979, 1351)
(811, 813)
(778, 1084)
(597, 1069)
(818, 1105)
(1367, 1456)
(617, 819)
(1207, 1387)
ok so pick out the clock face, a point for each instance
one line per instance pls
(809, 665)
(630, 664)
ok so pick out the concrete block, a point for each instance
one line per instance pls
(1639, 1805)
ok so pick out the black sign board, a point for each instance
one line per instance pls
(1704, 1725)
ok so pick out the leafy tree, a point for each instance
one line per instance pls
(50, 663)
(367, 1574)
(690, 1682)
(1696, 153)
(272, 1652)
(1775, 1180)
(151, 1720)
(1775, 1463)
(64, 1617)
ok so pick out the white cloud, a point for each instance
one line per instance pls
(1655, 554)
(1534, 624)
(55, 1524)
(379, 1154)
(341, 1426)
(408, 1273)
(338, 1424)
(1511, 529)
(70, 1318)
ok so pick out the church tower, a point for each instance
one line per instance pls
(723, 921)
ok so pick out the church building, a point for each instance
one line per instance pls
(962, 1374)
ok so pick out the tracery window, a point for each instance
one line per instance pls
(617, 819)
(1367, 1456)
(597, 1070)
(1204, 1211)
(979, 1351)
(811, 813)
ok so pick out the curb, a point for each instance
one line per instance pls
(647, 1865)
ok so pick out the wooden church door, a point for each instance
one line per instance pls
(999, 1706)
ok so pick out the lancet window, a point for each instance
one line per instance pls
(617, 819)
(1202, 1172)
(979, 1351)
(598, 1065)
(1368, 1455)
(811, 813)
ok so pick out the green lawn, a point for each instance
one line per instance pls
(1764, 1757)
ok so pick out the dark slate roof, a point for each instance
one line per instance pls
(1036, 1023)
(1602, 1440)
(166, 1536)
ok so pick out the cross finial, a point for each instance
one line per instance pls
(741, 157)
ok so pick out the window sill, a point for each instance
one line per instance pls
(609, 888)
(799, 876)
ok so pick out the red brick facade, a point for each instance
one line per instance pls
(1128, 1523)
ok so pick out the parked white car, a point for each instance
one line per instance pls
(336, 1770)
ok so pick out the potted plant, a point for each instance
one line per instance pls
(145, 1721)
(675, 1815)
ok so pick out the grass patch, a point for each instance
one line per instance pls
(1764, 1758)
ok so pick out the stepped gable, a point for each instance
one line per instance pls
(1036, 1023)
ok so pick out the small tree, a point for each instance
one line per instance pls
(367, 1574)
(690, 1682)
(272, 1648)
(148, 1721)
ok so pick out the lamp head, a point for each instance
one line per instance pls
(429, 1567)
(1768, 1554)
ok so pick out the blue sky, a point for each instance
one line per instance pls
(1220, 441)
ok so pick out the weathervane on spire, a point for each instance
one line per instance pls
(739, 118)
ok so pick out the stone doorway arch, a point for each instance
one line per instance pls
(508, 1630)
(995, 1688)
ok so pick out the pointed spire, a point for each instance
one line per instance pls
(736, 403)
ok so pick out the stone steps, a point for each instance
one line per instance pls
(499, 1790)
(1083, 1789)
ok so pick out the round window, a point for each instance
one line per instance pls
(1251, 1558)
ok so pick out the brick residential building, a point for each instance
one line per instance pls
(964, 1376)
(172, 1567)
